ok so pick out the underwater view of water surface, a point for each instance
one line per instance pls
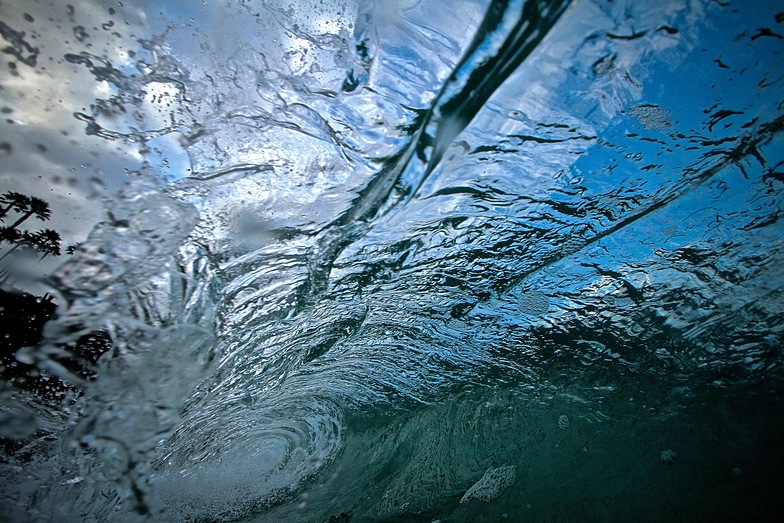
(399, 260)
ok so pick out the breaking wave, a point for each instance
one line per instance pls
(377, 250)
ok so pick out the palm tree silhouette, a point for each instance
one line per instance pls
(36, 206)
(14, 200)
(46, 242)
(18, 238)
(9, 235)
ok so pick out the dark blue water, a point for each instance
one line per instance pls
(417, 261)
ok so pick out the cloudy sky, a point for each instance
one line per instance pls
(61, 59)
(46, 152)
(67, 63)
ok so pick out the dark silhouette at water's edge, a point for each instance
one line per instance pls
(23, 317)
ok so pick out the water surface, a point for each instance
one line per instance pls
(404, 261)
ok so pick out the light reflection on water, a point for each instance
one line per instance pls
(345, 279)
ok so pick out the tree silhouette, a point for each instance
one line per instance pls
(23, 315)
(7, 234)
(14, 201)
(35, 206)
(18, 238)
(46, 242)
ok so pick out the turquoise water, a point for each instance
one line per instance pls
(420, 261)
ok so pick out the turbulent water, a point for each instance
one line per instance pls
(421, 260)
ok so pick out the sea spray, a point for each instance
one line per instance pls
(131, 282)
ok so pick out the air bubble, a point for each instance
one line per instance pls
(651, 116)
(668, 456)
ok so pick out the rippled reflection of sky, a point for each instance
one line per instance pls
(50, 156)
